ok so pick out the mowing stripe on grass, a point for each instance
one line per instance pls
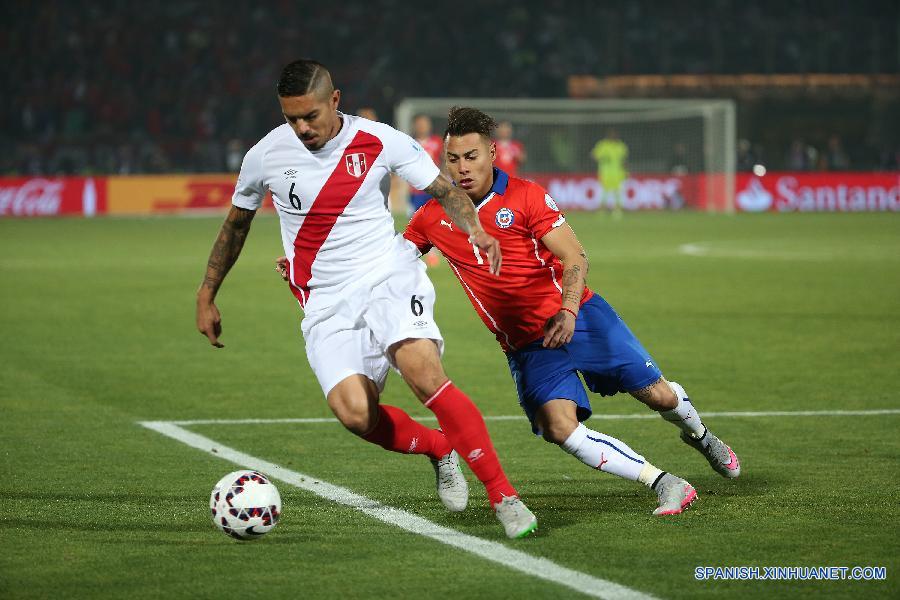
(752, 414)
(492, 551)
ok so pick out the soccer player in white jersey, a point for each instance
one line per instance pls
(367, 302)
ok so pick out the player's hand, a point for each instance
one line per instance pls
(281, 266)
(559, 329)
(484, 241)
(209, 322)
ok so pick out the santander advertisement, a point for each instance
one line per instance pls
(774, 192)
(818, 192)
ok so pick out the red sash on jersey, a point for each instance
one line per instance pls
(340, 188)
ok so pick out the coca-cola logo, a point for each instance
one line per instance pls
(34, 197)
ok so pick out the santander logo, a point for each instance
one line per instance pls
(755, 198)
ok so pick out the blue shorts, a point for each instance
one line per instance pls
(418, 200)
(603, 350)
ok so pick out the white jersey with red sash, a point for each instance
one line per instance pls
(335, 223)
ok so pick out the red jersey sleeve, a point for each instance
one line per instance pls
(417, 232)
(542, 212)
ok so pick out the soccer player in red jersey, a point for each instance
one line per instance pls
(367, 302)
(550, 324)
(510, 153)
(433, 146)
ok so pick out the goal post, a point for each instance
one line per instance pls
(681, 153)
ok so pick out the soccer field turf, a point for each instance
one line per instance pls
(754, 313)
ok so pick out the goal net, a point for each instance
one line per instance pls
(680, 153)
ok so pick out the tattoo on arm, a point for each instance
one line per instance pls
(227, 247)
(456, 204)
(573, 285)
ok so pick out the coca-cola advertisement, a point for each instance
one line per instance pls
(818, 192)
(52, 196)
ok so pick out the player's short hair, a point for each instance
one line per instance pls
(462, 120)
(304, 76)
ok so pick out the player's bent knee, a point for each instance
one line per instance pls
(355, 404)
(663, 397)
(357, 419)
(557, 432)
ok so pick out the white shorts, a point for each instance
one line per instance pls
(391, 302)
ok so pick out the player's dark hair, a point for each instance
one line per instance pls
(303, 77)
(462, 120)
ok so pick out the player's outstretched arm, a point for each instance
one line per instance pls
(565, 246)
(224, 254)
(461, 211)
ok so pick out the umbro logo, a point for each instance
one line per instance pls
(449, 225)
(476, 454)
(648, 364)
(420, 324)
(291, 172)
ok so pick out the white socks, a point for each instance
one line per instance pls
(606, 453)
(684, 415)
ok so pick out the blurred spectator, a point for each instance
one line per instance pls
(797, 158)
(746, 158)
(835, 158)
(889, 159)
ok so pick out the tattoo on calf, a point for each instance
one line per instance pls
(645, 393)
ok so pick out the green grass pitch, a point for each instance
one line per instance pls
(755, 313)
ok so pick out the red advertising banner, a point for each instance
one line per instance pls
(52, 196)
(174, 194)
(582, 191)
(818, 192)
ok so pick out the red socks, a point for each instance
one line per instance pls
(462, 423)
(396, 431)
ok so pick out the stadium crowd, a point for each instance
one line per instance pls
(103, 87)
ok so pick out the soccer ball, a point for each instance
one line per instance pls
(245, 505)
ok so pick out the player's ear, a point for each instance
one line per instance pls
(335, 99)
(493, 151)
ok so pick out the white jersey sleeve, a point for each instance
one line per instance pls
(409, 160)
(250, 190)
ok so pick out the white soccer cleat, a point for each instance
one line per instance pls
(517, 520)
(452, 488)
(719, 455)
(675, 495)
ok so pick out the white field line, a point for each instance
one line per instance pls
(488, 550)
(726, 414)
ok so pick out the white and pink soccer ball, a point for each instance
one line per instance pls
(245, 505)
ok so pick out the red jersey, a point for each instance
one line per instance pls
(509, 155)
(433, 145)
(528, 291)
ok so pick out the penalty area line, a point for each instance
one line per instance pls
(517, 560)
(726, 414)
